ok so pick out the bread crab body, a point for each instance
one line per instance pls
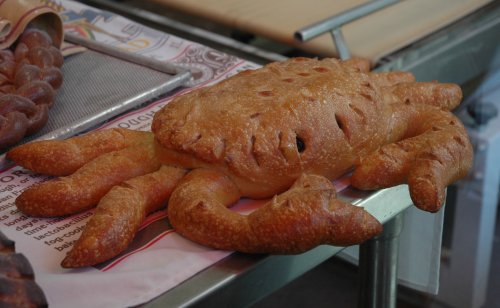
(267, 127)
(284, 131)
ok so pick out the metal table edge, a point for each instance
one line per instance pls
(242, 279)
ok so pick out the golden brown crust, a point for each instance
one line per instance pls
(359, 64)
(443, 95)
(387, 79)
(264, 128)
(64, 157)
(302, 121)
(84, 188)
(119, 215)
(309, 214)
(305, 216)
(260, 116)
(434, 152)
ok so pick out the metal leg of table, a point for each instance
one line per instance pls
(464, 276)
(378, 260)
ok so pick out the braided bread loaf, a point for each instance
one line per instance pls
(18, 287)
(29, 75)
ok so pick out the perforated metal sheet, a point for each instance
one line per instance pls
(97, 87)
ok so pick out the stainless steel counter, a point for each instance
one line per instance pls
(242, 279)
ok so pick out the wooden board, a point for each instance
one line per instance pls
(371, 37)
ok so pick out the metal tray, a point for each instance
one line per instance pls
(98, 87)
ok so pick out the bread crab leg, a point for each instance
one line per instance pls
(84, 188)
(434, 150)
(119, 215)
(63, 157)
(307, 215)
(443, 95)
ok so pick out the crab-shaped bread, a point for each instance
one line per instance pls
(283, 132)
